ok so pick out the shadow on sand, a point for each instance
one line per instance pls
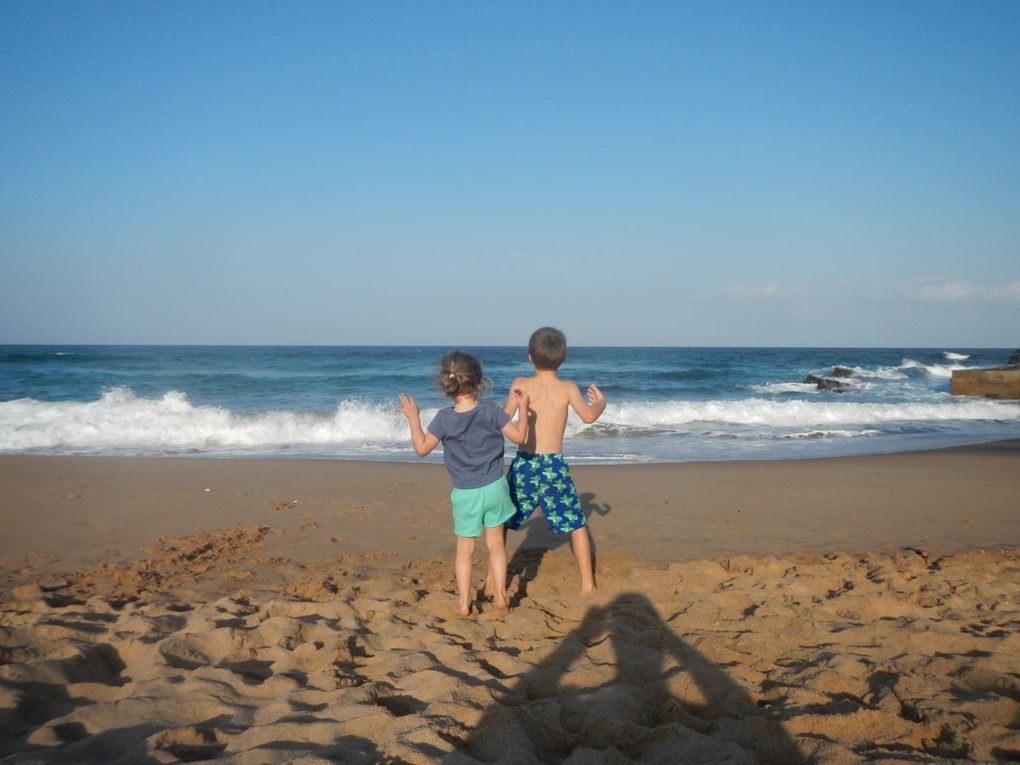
(622, 687)
(539, 540)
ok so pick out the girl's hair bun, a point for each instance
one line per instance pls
(461, 373)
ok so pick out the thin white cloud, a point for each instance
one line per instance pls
(961, 291)
(767, 291)
(924, 290)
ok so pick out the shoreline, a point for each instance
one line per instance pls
(980, 444)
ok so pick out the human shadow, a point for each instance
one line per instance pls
(539, 540)
(40, 691)
(622, 687)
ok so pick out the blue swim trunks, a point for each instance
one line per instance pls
(543, 481)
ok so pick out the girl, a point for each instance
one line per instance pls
(471, 432)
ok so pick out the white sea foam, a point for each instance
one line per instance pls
(880, 373)
(935, 370)
(803, 414)
(122, 422)
(899, 372)
(771, 389)
(815, 434)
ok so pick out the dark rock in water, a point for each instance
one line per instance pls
(1014, 360)
(834, 385)
(824, 383)
(842, 372)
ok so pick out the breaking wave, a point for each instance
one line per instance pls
(805, 414)
(935, 370)
(121, 422)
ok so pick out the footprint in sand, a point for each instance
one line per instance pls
(669, 663)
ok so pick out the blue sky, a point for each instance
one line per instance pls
(771, 173)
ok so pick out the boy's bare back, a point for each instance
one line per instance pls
(551, 397)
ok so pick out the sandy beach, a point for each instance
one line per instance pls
(262, 611)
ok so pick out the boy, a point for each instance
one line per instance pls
(538, 475)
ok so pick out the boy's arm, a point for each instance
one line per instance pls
(423, 442)
(589, 410)
(518, 431)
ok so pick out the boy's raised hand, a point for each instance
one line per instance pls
(408, 406)
(594, 395)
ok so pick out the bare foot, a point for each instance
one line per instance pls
(464, 611)
(589, 590)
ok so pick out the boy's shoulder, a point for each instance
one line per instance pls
(566, 384)
(557, 380)
(558, 387)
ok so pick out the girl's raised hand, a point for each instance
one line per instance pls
(594, 395)
(523, 399)
(408, 406)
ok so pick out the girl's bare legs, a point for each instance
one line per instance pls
(581, 546)
(462, 570)
(489, 585)
(497, 564)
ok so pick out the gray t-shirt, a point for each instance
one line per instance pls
(472, 443)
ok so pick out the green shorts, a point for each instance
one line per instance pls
(485, 507)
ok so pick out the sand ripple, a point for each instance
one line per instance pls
(836, 659)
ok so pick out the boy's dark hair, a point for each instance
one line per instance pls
(547, 348)
(461, 373)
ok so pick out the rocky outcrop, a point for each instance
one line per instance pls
(824, 383)
(842, 372)
(1002, 382)
(1014, 360)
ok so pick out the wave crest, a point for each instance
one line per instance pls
(120, 420)
(935, 370)
(800, 414)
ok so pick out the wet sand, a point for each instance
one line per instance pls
(840, 610)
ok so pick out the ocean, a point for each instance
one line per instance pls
(665, 404)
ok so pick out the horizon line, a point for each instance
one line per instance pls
(494, 345)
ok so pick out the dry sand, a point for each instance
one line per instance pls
(281, 611)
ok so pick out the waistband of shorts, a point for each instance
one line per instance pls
(529, 456)
(485, 486)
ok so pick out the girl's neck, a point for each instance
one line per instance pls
(465, 402)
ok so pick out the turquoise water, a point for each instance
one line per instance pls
(665, 404)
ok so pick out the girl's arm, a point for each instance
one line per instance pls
(518, 431)
(423, 442)
(511, 400)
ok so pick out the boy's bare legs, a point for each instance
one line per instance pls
(462, 570)
(494, 540)
(581, 546)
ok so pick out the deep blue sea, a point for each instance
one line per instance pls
(665, 404)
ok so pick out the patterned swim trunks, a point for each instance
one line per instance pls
(542, 481)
